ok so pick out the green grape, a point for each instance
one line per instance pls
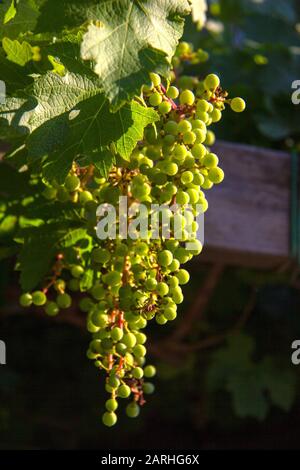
(139, 350)
(77, 271)
(169, 140)
(171, 127)
(172, 92)
(155, 79)
(210, 138)
(26, 300)
(155, 99)
(39, 298)
(200, 136)
(123, 391)
(161, 319)
(129, 340)
(202, 106)
(184, 48)
(72, 183)
(109, 418)
(64, 301)
(210, 160)
(198, 151)
(182, 197)
(49, 193)
(193, 195)
(216, 175)
(100, 255)
(170, 314)
(208, 184)
(141, 338)
(137, 372)
(211, 82)
(51, 309)
(183, 276)
(216, 115)
(238, 105)
(111, 404)
(149, 371)
(162, 288)
(100, 319)
(117, 333)
(151, 284)
(98, 292)
(203, 116)
(186, 177)
(170, 168)
(165, 107)
(85, 196)
(187, 97)
(184, 126)
(113, 381)
(132, 410)
(113, 278)
(189, 138)
(165, 258)
(148, 388)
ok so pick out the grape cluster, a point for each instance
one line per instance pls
(137, 280)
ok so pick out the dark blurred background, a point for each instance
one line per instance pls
(225, 378)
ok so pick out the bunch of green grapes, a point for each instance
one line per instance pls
(137, 280)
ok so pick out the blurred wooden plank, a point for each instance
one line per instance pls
(248, 221)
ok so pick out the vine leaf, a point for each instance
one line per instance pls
(19, 53)
(131, 39)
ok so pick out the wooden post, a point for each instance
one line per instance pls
(248, 220)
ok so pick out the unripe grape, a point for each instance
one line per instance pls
(113, 381)
(113, 278)
(98, 292)
(210, 160)
(172, 92)
(51, 309)
(182, 197)
(149, 371)
(137, 372)
(123, 391)
(216, 115)
(184, 48)
(72, 183)
(111, 404)
(139, 350)
(170, 168)
(208, 184)
(100, 255)
(216, 175)
(183, 276)
(198, 151)
(184, 126)
(26, 300)
(49, 193)
(187, 97)
(77, 271)
(211, 82)
(193, 195)
(203, 116)
(186, 177)
(162, 288)
(202, 106)
(151, 284)
(200, 135)
(85, 196)
(155, 99)
(141, 338)
(170, 314)
(189, 138)
(117, 333)
(109, 418)
(155, 79)
(148, 388)
(165, 258)
(164, 107)
(39, 298)
(210, 138)
(129, 340)
(238, 105)
(171, 127)
(64, 300)
(132, 410)
(180, 152)
(160, 319)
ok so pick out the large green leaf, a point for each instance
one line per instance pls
(130, 39)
